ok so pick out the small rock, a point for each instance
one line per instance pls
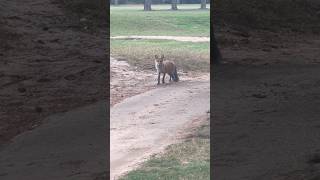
(315, 159)
(40, 41)
(38, 109)
(22, 90)
(266, 50)
(70, 77)
(83, 19)
(97, 61)
(259, 95)
(55, 40)
(43, 80)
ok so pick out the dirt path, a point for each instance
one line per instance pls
(146, 123)
(176, 38)
(69, 146)
(127, 81)
(156, 112)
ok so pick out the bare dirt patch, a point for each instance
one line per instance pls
(49, 64)
(258, 47)
(266, 106)
(127, 81)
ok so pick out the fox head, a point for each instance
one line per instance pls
(158, 61)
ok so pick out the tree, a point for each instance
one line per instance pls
(216, 52)
(104, 8)
(174, 4)
(203, 4)
(147, 5)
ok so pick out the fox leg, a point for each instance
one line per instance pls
(159, 78)
(164, 75)
(170, 77)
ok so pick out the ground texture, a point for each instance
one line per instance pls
(265, 110)
(145, 124)
(50, 62)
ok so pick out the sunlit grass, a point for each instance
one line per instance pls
(188, 56)
(188, 160)
(132, 20)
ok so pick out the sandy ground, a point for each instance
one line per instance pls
(127, 81)
(144, 124)
(266, 107)
(69, 145)
(146, 117)
(48, 64)
(176, 38)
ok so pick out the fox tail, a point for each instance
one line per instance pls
(175, 75)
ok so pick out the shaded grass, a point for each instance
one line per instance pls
(132, 20)
(186, 160)
(188, 56)
(93, 13)
(275, 15)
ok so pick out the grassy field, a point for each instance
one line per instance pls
(187, 56)
(188, 21)
(132, 20)
(188, 160)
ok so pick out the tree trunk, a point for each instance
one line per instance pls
(174, 5)
(216, 52)
(147, 5)
(104, 8)
(203, 4)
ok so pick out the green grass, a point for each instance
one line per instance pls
(132, 20)
(186, 160)
(187, 55)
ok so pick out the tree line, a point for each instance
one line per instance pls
(156, 1)
(174, 3)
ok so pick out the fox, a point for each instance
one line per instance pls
(166, 67)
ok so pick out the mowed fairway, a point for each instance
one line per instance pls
(132, 20)
(189, 20)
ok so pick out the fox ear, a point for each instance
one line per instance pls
(156, 56)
